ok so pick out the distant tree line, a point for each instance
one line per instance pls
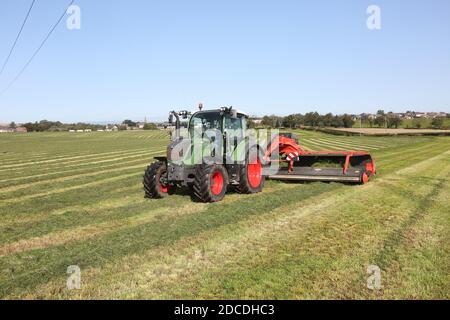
(45, 125)
(392, 120)
(383, 120)
(437, 122)
(314, 119)
(150, 126)
(311, 119)
(131, 124)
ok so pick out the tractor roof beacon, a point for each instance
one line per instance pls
(218, 153)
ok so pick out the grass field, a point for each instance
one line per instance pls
(412, 123)
(76, 199)
(387, 132)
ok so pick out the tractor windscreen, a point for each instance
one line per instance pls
(203, 121)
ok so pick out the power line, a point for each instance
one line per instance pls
(37, 50)
(17, 37)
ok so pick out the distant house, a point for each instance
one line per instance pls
(420, 115)
(436, 114)
(369, 116)
(21, 129)
(6, 129)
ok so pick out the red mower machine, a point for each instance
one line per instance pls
(303, 165)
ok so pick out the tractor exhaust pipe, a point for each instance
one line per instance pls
(173, 114)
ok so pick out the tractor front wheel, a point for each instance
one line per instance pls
(155, 181)
(211, 182)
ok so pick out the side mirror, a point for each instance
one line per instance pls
(171, 118)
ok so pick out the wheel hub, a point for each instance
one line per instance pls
(216, 183)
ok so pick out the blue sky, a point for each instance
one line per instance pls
(132, 59)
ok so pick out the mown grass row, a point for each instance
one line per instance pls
(17, 147)
(85, 168)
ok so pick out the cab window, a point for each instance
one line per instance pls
(202, 122)
(235, 127)
(235, 123)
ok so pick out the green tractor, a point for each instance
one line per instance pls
(213, 153)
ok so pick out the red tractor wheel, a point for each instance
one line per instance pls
(254, 174)
(211, 182)
(217, 183)
(251, 177)
(155, 181)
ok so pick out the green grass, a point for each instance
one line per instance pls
(76, 199)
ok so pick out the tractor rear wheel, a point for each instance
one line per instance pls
(211, 182)
(251, 179)
(154, 185)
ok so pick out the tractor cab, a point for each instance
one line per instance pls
(213, 134)
(221, 133)
(225, 120)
